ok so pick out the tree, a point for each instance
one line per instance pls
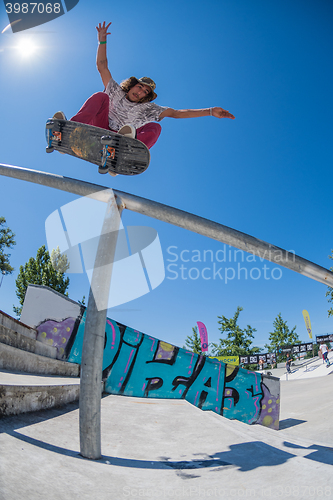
(329, 292)
(6, 241)
(281, 336)
(193, 342)
(40, 271)
(238, 341)
(59, 261)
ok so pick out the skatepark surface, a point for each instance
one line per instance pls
(161, 449)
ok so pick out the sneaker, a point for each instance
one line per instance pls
(59, 115)
(128, 131)
(112, 173)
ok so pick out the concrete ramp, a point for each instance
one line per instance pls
(314, 369)
(137, 364)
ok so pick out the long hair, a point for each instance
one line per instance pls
(126, 85)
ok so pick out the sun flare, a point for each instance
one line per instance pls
(26, 47)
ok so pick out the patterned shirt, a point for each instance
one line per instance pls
(122, 111)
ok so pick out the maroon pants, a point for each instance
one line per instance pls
(95, 111)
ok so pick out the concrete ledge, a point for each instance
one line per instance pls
(17, 326)
(16, 399)
(20, 341)
(12, 358)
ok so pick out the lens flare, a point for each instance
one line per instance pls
(26, 47)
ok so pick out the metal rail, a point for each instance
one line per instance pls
(93, 342)
(178, 218)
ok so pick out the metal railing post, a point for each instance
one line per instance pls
(94, 334)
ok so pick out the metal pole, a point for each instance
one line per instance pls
(94, 333)
(3, 273)
(180, 218)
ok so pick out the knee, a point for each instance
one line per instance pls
(100, 96)
(152, 127)
(156, 127)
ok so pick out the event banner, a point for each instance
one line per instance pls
(228, 360)
(295, 349)
(203, 336)
(307, 321)
(269, 357)
(324, 338)
(253, 359)
(302, 348)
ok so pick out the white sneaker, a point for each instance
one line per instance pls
(59, 115)
(128, 131)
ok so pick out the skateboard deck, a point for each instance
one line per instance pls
(110, 151)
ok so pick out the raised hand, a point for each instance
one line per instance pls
(103, 31)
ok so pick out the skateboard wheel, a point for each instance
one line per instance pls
(103, 170)
(50, 149)
(106, 139)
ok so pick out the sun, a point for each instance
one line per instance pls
(26, 47)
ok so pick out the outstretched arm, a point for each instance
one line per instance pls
(194, 113)
(101, 59)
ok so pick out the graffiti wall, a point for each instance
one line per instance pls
(55, 317)
(137, 364)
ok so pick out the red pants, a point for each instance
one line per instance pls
(95, 111)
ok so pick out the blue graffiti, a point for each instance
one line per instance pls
(136, 364)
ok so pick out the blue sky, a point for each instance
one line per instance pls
(267, 173)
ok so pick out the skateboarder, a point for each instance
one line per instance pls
(288, 363)
(128, 108)
(324, 352)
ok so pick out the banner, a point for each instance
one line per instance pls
(203, 336)
(253, 359)
(228, 360)
(306, 317)
(296, 348)
(324, 338)
(302, 348)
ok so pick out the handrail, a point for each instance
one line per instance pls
(178, 218)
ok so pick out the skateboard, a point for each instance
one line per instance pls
(112, 152)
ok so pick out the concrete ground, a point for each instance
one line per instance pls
(161, 449)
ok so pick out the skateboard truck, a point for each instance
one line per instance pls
(51, 135)
(107, 151)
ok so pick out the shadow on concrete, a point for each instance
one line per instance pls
(245, 456)
(290, 422)
(250, 456)
(323, 454)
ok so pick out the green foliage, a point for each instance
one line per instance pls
(83, 301)
(6, 241)
(39, 271)
(238, 341)
(59, 261)
(329, 292)
(281, 336)
(193, 342)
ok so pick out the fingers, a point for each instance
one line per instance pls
(222, 113)
(226, 114)
(102, 27)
